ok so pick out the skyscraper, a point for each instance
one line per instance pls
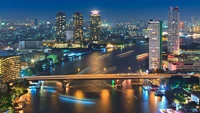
(61, 27)
(155, 44)
(36, 22)
(78, 26)
(95, 26)
(173, 31)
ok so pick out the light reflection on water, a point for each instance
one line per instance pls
(105, 101)
(108, 100)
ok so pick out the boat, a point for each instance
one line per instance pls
(142, 56)
(158, 93)
(167, 111)
(76, 99)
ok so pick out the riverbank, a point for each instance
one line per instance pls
(10, 98)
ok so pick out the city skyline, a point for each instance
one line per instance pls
(22, 9)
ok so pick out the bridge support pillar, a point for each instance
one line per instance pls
(118, 83)
(65, 83)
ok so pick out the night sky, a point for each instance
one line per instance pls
(118, 9)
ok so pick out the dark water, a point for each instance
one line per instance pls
(97, 96)
(97, 61)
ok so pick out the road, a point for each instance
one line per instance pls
(104, 76)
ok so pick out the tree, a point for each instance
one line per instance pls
(54, 57)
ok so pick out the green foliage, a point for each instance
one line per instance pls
(54, 57)
(6, 99)
(28, 72)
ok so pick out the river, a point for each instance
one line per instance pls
(97, 96)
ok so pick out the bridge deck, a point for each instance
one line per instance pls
(103, 76)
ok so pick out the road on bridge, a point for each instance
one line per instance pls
(103, 76)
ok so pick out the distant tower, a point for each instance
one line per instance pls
(0, 23)
(61, 27)
(155, 44)
(173, 31)
(95, 26)
(78, 26)
(36, 22)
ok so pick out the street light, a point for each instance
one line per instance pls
(32, 61)
(129, 69)
(104, 69)
(79, 69)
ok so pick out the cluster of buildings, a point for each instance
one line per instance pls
(173, 61)
(39, 34)
(76, 34)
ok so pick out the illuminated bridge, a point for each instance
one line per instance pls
(66, 79)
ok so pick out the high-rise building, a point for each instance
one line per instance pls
(9, 68)
(155, 44)
(36, 22)
(78, 26)
(61, 27)
(182, 25)
(173, 31)
(0, 23)
(95, 26)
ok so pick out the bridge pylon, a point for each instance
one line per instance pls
(65, 83)
(118, 83)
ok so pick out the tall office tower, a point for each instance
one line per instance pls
(173, 31)
(155, 44)
(36, 22)
(61, 27)
(78, 26)
(9, 67)
(95, 26)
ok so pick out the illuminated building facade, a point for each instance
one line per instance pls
(173, 31)
(9, 67)
(182, 25)
(95, 26)
(196, 29)
(78, 26)
(61, 27)
(155, 44)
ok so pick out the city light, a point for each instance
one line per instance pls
(110, 60)
(95, 12)
(32, 61)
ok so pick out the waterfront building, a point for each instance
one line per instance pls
(61, 27)
(30, 45)
(78, 26)
(155, 44)
(196, 29)
(187, 66)
(95, 26)
(173, 31)
(9, 67)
